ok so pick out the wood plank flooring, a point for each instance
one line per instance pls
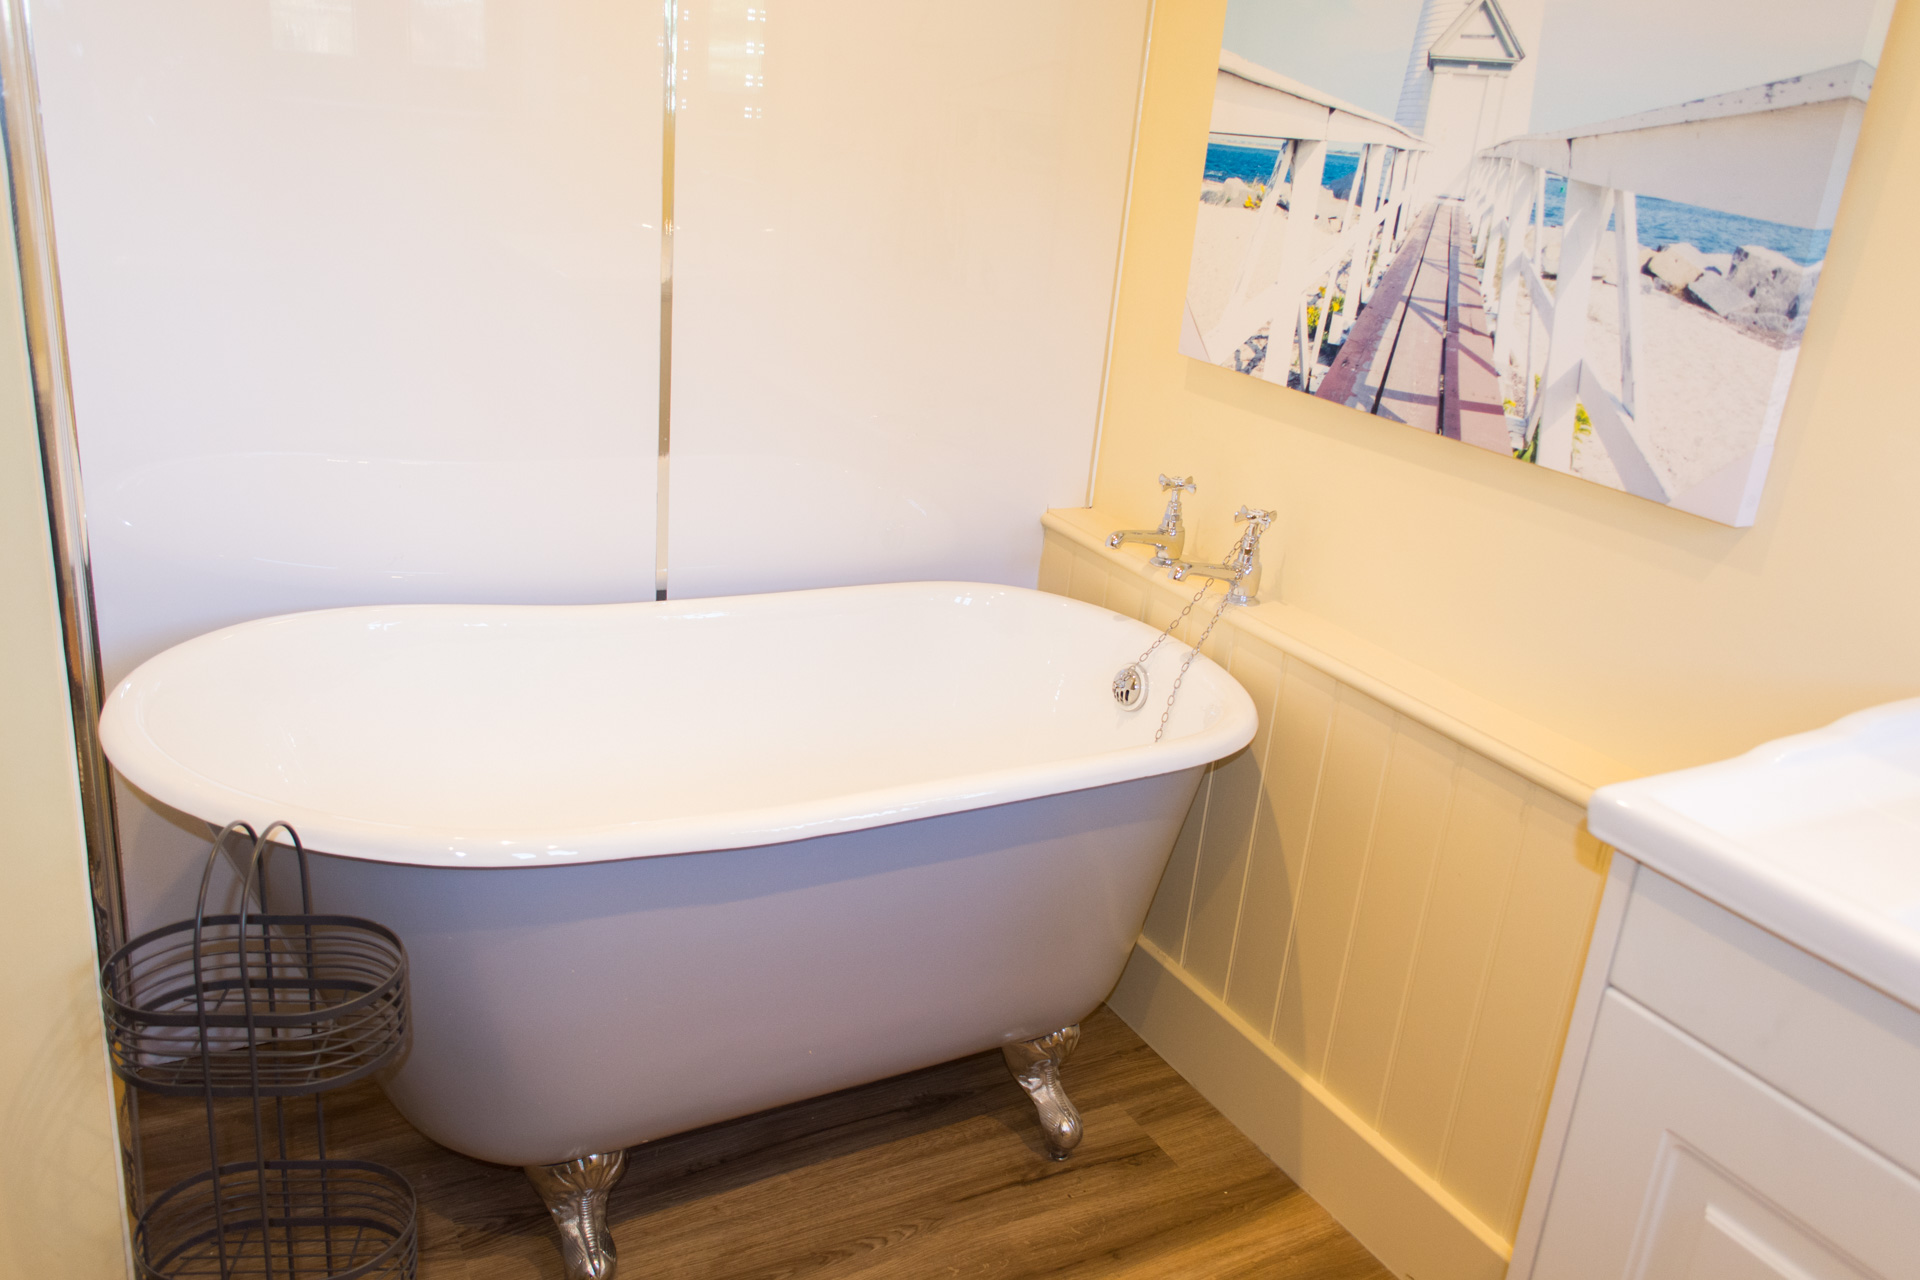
(937, 1173)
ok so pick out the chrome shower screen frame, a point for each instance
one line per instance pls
(30, 204)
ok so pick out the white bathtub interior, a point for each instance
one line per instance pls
(488, 735)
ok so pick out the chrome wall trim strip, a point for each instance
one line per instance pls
(668, 118)
(31, 205)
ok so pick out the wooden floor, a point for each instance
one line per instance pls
(934, 1174)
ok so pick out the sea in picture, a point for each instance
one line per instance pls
(1254, 166)
(1662, 222)
(1665, 222)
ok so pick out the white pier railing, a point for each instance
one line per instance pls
(1776, 152)
(1310, 296)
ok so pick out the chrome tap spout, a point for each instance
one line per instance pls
(1240, 570)
(1170, 539)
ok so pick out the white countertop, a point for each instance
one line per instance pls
(1814, 837)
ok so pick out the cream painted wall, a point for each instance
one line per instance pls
(1652, 637)
(60, 1196)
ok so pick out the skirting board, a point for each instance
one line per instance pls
(1401, 1215)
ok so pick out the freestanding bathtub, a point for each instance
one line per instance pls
(659, 865)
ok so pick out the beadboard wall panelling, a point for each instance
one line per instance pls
(1349, 772)
(1400, 861)
(1233, 804)
(1397, 919)
(1487, 809)
(896, 236)
(1536, 966)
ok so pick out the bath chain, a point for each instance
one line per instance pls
(1131, 682)
(1194, 652)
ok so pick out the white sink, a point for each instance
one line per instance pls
(1814, 837)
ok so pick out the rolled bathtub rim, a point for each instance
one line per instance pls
(152, 769)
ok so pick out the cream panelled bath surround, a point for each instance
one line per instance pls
(1366, 945)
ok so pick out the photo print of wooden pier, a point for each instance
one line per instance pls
(1586, 233)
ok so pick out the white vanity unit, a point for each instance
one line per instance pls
(1740, 1094)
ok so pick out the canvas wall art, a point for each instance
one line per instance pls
(1584, 233)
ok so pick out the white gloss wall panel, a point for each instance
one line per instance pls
(896, 235)
(362, 300)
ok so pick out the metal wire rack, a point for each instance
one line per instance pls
(333, 1218)
(322, 996)
(268, 1007)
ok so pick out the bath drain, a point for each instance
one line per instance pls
(1130, 682)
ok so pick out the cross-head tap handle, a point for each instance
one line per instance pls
(1178, 482)
(1254, 514)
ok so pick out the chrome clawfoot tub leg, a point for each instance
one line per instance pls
(1036, 1065)
(575, 1193)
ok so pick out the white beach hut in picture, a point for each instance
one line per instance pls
(1469, 82)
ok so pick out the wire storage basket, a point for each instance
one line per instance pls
(284, 1218)
(320, 999)
(269, 1007)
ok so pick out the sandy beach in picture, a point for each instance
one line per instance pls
(1499, 223)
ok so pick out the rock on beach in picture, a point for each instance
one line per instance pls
(1505, 222)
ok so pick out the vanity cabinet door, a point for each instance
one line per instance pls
(1681, 1166)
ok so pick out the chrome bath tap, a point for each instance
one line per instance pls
(1241, 568)
(1171, 536)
